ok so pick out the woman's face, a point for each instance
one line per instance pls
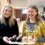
(7, 12)
(31, 13)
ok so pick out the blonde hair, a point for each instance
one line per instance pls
(11, 19)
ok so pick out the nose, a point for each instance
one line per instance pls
(7, 11)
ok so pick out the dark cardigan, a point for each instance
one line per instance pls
(6, 30)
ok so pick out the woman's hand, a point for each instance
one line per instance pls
(6, 39)
(13, 38)
(29, 39)
(19, 38)
(25, 39)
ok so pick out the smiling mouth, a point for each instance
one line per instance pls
(30, 15)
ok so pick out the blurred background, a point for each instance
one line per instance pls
(18, 6)
(20, 9)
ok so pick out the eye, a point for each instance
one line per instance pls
(8, 10)
(28, 11)
(32, 11)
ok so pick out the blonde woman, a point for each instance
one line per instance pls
(8, 26)
(33, 27)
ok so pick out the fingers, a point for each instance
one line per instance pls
(5, 39)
